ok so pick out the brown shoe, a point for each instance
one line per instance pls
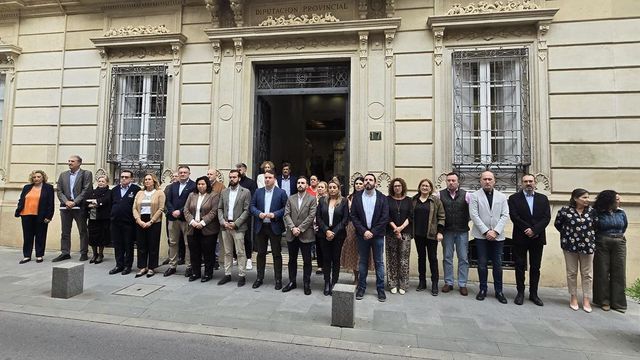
(464, 291)
(446, 288)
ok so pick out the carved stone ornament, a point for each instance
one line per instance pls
(292, 19)
(383, 181)
(300, 43)
(139, 52)
(544, 184)
(3, 176)
(483, 7)
(363, 37)
(131, 30)
(441, 181)
(438, 37)
(543, 28)
(237, 45)
(100, 173)
(353, 178)
(490, 33)
(363, 9)
(390, 7)
(389, 35)
(217, 55)
(213, 7)
(166, 177)
(237, 7)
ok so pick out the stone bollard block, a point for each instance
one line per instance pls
(67, 280)
(343, 305)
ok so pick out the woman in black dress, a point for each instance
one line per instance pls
(99, 214)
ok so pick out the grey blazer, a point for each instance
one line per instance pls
(485, 218)
(240, 208)
(301, 217)
(81, 189)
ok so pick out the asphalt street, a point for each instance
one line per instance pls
(25, 336)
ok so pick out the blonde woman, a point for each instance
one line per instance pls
(35, 209)
(148, 208)
(321, 192)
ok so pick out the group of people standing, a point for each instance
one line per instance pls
(353, 232)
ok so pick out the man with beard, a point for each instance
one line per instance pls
(286, 181)
(370, 216)
(530, 214)
(233, 214)
(298, 219)
(249, 184)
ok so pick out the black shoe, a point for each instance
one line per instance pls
(501, 298)
(180, 261)
(206, 278)
(165, 261)
(141, 273)
(93, 259)
(422, 285)
(290, 286)
(99, 259)
(257, 284)
(61, 257)
(359, 293)
(169, 271)
(307, 289)
(24, 261)
(278, 285)
(434, 288)
(241, 281)
(126, 271)
(319, 271)
(519, 299)
(194, 277)
(216, 266)
(188, 272)
(115, 270)
(327, 288)
(481, 295)
(39, 259)
(382, 297)
(536, 300)
(84, 257)
(225, 279)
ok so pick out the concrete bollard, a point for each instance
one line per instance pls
(343, 305)
(67, 280)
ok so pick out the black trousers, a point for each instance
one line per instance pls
(609, 271)
(319, 252)
(33, 231)
(263, 238)
(427, 247)
(99, 232)
(123, 237)
(331, 251)
(534, 248)
(294, 247)
(202, 246)
(148, 241)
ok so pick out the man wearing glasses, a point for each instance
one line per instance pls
(123, 234)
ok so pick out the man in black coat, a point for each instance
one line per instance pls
(123, 226)
(530, 214)
(178, 193)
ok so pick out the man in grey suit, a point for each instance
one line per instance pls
(73, 187)
(298, 219)
(489, 212)
(233, 214)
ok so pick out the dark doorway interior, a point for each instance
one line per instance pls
(307, 130)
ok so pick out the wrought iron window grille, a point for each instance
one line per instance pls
(302, 77)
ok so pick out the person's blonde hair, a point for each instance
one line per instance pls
(265, 163)
(326, 187)
(337, 183)
(430, 184)
(106, 177)
(156, 183)
(45, 178)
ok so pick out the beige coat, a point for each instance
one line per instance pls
(300, 217)
(157, 205)
(208, 213)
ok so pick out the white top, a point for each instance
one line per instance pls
(145, 204)
(260, 181)
(233, 194)
(331, 210)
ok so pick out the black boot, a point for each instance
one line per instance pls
(327, 288)
(422, 285)
(95, 254)
(434, 288)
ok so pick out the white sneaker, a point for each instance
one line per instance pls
(401, 291)
(235, 262)
(394, 290)
(249, 264)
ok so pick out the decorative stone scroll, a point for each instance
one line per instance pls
(543, 28)
(100, 173)
(238, 49)
(137, 52)
(438, 38)
(543, 180)
(363, 46)
(389, 35)
(363, 9)
(213, 7)
(237, 6)
(292, 19)
(131, 30)
(390, 7)
(8, 55)
(489, 33)
(483, 7)
(217, 55)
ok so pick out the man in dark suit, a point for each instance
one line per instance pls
(286, 181)
(298, 219)
(267, 208)
(123, 226)
(530, 214)
(73, 187)
(370, 216)
(178, 195)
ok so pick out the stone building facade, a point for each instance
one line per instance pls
(408, 88)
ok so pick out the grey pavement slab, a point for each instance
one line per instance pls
(417, 324)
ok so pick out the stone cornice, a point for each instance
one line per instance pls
(342, 27)
(507, 18)
(139, 40)
(9, 52)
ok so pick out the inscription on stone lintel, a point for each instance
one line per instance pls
(342, 9)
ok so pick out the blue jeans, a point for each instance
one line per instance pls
(364, 247)
(459, 239)
(492, 249)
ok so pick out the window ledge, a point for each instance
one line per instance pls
(341, 27)
(170, 39)
(9, 52)
(507, 18)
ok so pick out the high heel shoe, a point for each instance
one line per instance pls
(99, 259)
(142, 272)
(93, 259)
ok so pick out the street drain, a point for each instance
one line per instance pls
(138, 290)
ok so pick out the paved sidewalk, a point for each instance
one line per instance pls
(418, 325)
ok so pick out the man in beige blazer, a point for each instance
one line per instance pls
(298, 219)
(233, 213)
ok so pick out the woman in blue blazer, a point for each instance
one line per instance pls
(35, 208)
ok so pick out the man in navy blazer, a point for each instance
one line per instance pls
(530, 213)
(123, 230)
(178, 195)
(370, 216)
(289, 180)
(267, 207)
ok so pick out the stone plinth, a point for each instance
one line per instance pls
(343, 305)
(67, 280)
